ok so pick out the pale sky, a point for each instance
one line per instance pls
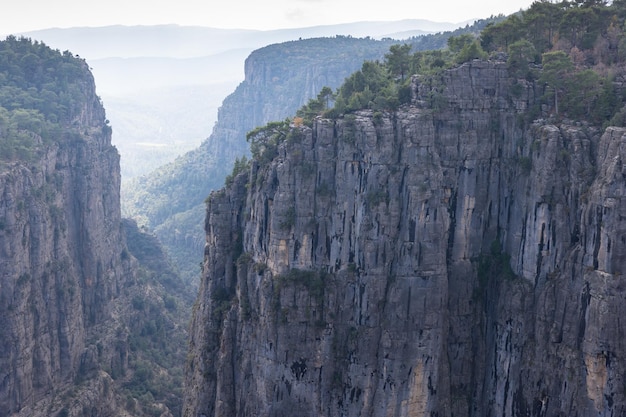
(26, 15)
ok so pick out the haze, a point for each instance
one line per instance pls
(28, 15)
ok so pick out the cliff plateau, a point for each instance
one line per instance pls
(452, 258)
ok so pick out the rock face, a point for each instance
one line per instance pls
(452, 258)
(61, 262)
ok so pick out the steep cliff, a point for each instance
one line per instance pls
(453, 258)
(61, 257)
(279, 79)
(79, 308)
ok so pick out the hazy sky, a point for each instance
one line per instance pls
(26, 15)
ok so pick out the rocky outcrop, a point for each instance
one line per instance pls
(453, 258)
(61, 258)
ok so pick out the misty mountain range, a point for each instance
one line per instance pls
(194, 41)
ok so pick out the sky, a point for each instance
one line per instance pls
(26, 15)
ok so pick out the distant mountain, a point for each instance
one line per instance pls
(194, 41)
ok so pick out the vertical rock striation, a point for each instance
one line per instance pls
(448, 259)
(61, 262)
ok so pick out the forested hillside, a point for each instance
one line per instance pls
(41, 97)
(581, 47)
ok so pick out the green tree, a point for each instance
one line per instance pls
(471, 51)
(398, 60)
(618, 7)
(498, 37)
(457, 43)
(584, 92)
(590, 3)
(240, 165)
(264, 140)
(581, 26)
(310, 110)
(521, 53)
(542, 22)
(325, 96)
(362, 87)
(426, 62)
(608, 102)
(316, 106)
(557, 67)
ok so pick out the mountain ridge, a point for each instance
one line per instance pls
(212, 39)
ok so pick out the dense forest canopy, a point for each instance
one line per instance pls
(41, 93)
(574, 50)
(581, 46)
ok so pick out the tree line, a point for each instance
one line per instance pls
(41, 92)
(574, 50)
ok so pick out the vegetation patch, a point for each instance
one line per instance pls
(574, 50)
(264, 140)
(241, 165)
(313, 281)
(324, 190)
(491, 268)
(376, 197)
(42, 91)
(525, 164)
(289, 220)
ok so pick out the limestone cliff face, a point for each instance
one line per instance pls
(61, 263)
(450, 259)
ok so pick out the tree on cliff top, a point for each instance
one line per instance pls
(580, 45)
(41, 93)
(398, 60)
(557, 67)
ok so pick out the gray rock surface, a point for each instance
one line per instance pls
(61, 267)
(452, 258)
